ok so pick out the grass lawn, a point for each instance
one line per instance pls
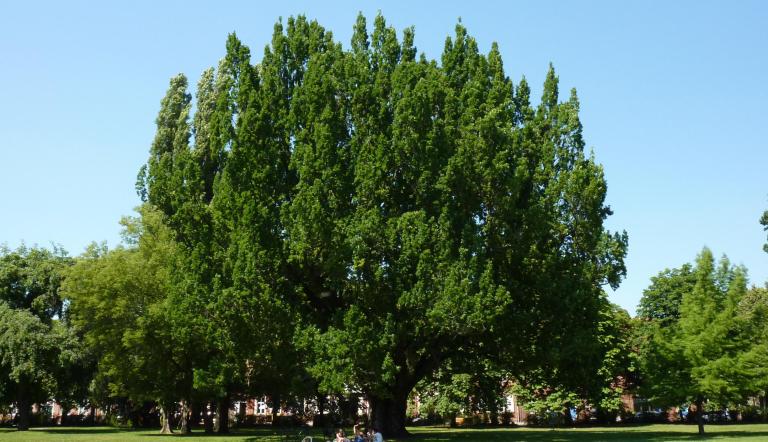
(752, 432)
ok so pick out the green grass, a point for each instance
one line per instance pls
(658, 433)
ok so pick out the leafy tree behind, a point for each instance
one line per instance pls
(32, 356)
(764, 222)
(40, 356)
(121, 303)
(708, 354)
(473, 387)
(30, 279)
(661, 300)
(604, 377)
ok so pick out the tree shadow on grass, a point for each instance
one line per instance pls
(251, 434)
(79, 430)
(566, 435)
(630, 434)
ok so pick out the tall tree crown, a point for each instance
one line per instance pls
(383, 206)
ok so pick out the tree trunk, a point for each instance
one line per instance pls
(223, 414)
(194, 414)
(567, 418)
(129, 409)
(63, 417)
(320, 410)
(388, 414)
(208, 411)
(24, 409)
(764, 401)
(184, 418)
(165, 421)
(700, 415)
(275, 408)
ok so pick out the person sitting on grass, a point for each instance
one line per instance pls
(377, 437)
(357, 434)
(340, 436)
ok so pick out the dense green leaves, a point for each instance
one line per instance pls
(30, 279)
(764, 222)
(661, 301)
(607, 371)
(340, 220)
(122, 303)
(38, 350)
(328, 220)
(385, 207)
(709, 353)
(27, 355)
(392, 212)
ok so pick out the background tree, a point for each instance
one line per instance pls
(661, 300)
(764, 222)
(120, 303)
(475, 387)
(30, 278)
(33, 357)
(617, 374)
(39, 354)
(446, 396)
(607, 371)
(706, 355)
(753, 311)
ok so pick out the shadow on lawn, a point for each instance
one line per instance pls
(78, 430)
(440, 435)
(250, 434)
(566, 435)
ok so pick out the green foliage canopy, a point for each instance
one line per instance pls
(380, 213)
(708, 354)
(30, 279)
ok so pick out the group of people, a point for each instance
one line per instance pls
(360, 435)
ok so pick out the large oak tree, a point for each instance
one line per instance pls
(382, 213)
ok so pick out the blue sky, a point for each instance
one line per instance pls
(673, 96)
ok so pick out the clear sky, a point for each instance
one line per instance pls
(674, 104)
